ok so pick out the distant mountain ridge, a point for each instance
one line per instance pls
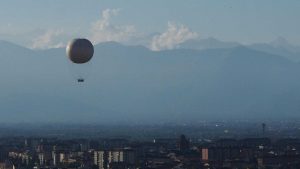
(132, 84)
(279, 46)
(208, 43)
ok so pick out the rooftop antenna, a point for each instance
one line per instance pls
(263, 128)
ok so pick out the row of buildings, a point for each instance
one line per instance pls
(165, 153)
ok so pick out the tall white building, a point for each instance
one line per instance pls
(116, 156)
(41, 158)
(103, 158)
(99, 159)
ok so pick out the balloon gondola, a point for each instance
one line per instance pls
(80, 80)
(80, 51)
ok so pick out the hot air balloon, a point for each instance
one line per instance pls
(80, 51)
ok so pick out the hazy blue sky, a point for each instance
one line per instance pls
(31, 22)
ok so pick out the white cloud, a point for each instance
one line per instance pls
(103, 30)
(49, 39)
(174, 36)
(100, 31)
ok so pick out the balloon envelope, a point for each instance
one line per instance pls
(80, 51)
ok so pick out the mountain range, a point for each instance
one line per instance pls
(213, 80)
(279, 46)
